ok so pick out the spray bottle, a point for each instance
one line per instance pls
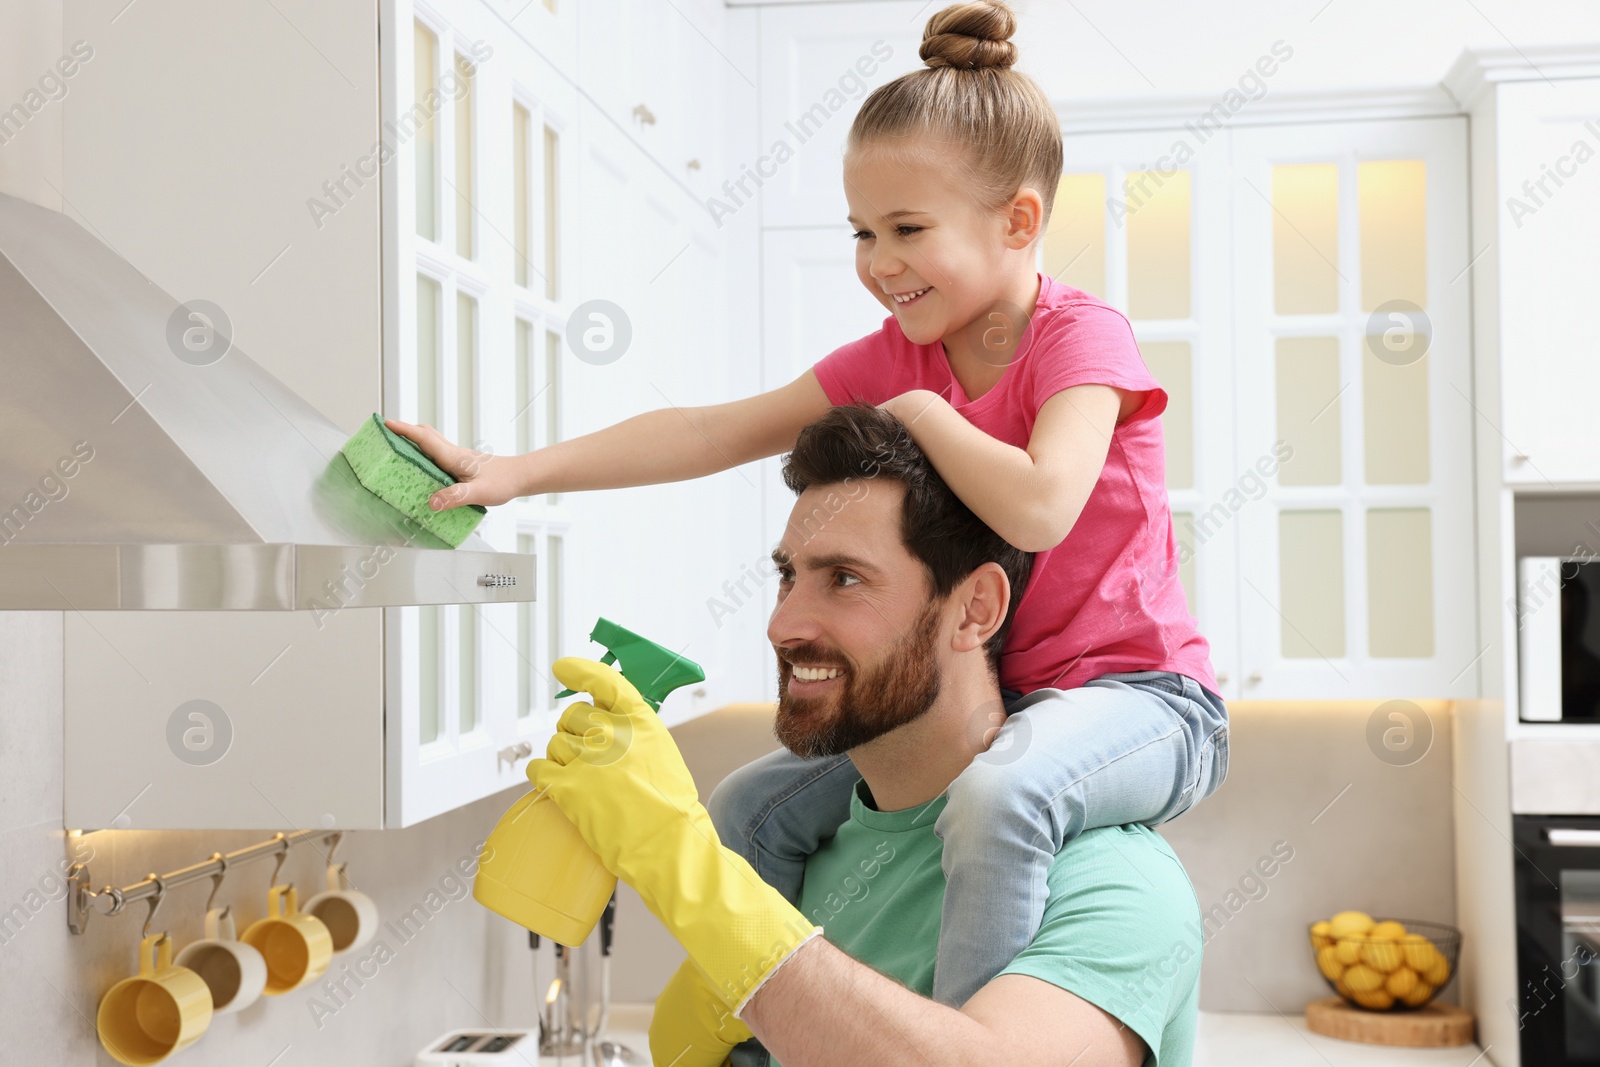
(536, 869)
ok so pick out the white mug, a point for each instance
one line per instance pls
(349, 914)
(235, 972)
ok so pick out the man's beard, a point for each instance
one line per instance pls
(899, 689)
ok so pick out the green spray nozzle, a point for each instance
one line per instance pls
(649, 668)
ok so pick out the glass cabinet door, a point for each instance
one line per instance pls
(473, 261)
(1301, 294)
(1353, 363)
(1133, 225)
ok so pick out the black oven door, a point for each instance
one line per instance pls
(1558, 939)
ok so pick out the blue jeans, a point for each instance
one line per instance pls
(1137, 747)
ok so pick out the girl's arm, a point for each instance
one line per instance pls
(667, 445)
(1031, 497)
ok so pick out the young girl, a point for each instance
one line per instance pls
(1032, 402)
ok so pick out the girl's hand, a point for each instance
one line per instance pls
(909, 405)
(481, 477)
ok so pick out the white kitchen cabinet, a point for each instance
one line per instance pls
(1317, 485)
(1545, 135)
(1146, 240)
(812, 303)
(818, 63)
(1353, 348)
(436, 287)
(481, 273)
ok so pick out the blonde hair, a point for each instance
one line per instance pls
(994, 124)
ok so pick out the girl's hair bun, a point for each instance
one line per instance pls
(970, 36)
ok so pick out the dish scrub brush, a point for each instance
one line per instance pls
(402, 476)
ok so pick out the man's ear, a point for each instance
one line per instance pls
(984, 597)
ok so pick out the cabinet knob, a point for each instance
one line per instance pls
(644, 115)
(520, 750)
(1222, 679)
(1519, 457)
(1253, 678)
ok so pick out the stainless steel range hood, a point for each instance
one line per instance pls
(131, 478)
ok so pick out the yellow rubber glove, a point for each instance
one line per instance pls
(691, 1026)
(615, 772)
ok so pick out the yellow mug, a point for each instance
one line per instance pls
(296, 946)
(161, 1010)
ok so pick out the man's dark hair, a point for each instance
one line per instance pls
(862, 442)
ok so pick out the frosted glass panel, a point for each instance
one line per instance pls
(1183, 531)
(1394, 411)
(552, 602)
(522, 192)
(467, 637)
(428, 673)
(1171, 364)
(1305, 239)
(552, 215)
(1400, 582)
(427, 350)
(1158, 244)
(464, 189)
(466, 371)
(1309, 402)
(1075, 243)
(1392, 200)
(1311, 584)
(426, 140)
(524, 387)
(552, 395)
(525, 640)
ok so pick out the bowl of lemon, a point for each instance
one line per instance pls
(1385, 964)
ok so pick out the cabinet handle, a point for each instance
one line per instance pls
(1253, 678)
(1573, 838)
(1519, 457)
(1222, 679)
(644, 115)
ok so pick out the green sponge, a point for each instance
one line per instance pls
(398, 473)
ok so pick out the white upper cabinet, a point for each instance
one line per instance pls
(818, 63)
(1545, 135)
(407, 225)
(1298, 292)
(1352, 362)
(1147, 241)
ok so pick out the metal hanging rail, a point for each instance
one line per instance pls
(81, 894)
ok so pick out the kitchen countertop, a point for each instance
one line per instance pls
(1248, 1039)
(1225, 1039)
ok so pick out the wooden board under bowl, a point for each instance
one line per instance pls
(1431, 1026)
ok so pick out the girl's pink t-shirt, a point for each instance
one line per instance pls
(1106, 599)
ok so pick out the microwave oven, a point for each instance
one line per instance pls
(1558, 638)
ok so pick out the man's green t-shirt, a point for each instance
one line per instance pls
(1121, 927)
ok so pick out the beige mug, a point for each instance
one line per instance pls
(235, 972)
(349, 914)
(161, 1010)
(296, 946)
